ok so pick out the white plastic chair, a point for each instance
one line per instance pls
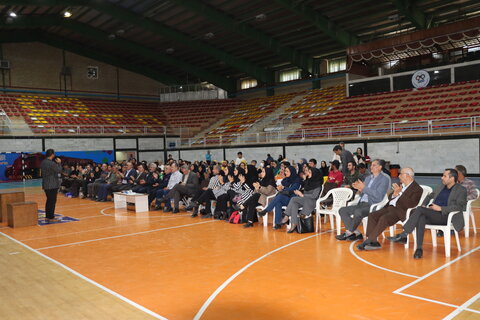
(446, 234)
(340, 198)
(426, 191)
(468, 214)
(265, 217)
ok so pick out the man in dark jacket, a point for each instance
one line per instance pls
(51, 169)
(187, 187)
(448, 197)
(345, 157)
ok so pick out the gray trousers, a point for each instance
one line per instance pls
(177, 193)
(352, 216)
(295, 203)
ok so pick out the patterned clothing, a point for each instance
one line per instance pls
(471, 188)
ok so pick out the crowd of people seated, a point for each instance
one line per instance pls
(288, 189)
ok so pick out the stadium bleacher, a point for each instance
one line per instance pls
(46, 114)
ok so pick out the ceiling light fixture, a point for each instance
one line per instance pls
(67, 14)
(12, 14)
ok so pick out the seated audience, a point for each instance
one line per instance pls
(363, 172)
(145, 185)
(335, 176)
(263, 188)
(286, 189)
(404, 196)
(450, 196)
(127, 178)
(306, 199)
(161, 195)
(111, 180)
(161, 183)
(207, 195)
(372, 191)
(93, 188)
(352, 175)
(467, 183)
(187, 187)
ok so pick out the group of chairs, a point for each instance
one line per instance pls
(342, 197)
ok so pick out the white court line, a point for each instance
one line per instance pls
(125, 235)
(236, 274)
(136, 305)
(377, 266)
(103, 228)
(463, 307)
(436, 270)
(438, 302)
(399, 291)
(126, 216)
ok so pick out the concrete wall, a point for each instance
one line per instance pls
(425, 156)
(36, 65)
(21, 145)
(150, 156)
(150, 143)
(217, 154)
(76, 144)
(430, 156)
(126, 143)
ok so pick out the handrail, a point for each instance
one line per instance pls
(464, 125)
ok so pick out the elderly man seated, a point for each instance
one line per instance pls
(450, 196)
(404, 196)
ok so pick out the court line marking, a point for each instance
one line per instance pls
(119, 215)
(115, 294)
(438, 302)
(377, 266)
(125, 235)
(236, 274)
(399, 291)
(463, 307)
(436, 270)
(103, 228)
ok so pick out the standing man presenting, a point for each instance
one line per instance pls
(51, 168)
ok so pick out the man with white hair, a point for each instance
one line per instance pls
(404, 196)
(187, 187)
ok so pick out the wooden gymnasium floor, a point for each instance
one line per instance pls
(117, 265)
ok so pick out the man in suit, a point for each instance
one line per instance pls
(51, 169)
(94, 187)
(145, 185)
(448, 197)
(404, 196)
(127, 179)
(345, 157)
(187, 187)
(372, 191)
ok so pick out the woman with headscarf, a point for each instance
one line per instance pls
(263, 188)
(286, 189)
(306, 199)
(251, 174)
(241, 188)
(324, 168)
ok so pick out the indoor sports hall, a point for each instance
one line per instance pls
(197, 159)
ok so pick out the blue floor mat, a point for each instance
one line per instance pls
(63, 219)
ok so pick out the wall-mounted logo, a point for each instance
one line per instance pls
(92, 73)
(420, 79)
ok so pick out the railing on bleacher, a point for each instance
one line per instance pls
(466, 125)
